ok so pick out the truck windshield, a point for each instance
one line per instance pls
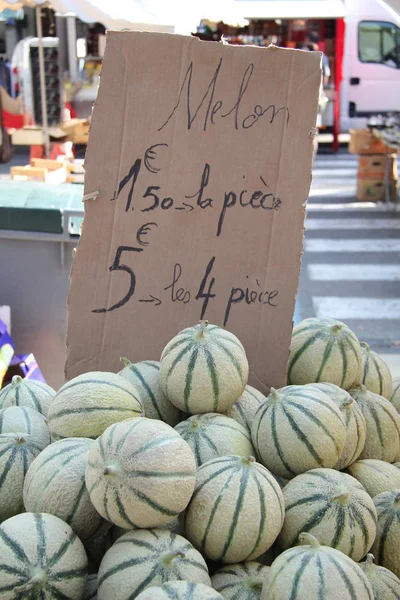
(379, 42)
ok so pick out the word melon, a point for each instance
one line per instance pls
(376, 476)
(55, 484)
(89, 403)
(375, 373)
(24, 420)
(212, 435)
(140, 473)
(244, 409)
(332, 506)
(40, 557)
(315, 571)
(383, 425)
(204, 369)
(243, 581)
(385, 584)
(395, 397)
(180, 590)
(324, 350)
(354, 422)
(386, 547)
(145, 558)
(298, 428)
(27, 392)
(236, 510)
(145, 376)
(17, 451)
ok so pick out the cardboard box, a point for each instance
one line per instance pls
(362, 141)
(373, 190)
(198, 171)
(374, 166)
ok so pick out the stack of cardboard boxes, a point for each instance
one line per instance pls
(377, 176)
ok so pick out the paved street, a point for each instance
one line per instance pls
(351, 265)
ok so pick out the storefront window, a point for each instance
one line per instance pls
(379, 42)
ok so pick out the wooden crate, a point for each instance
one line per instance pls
(48, 174)
(373, 166)
(362, 141)
(373, 190)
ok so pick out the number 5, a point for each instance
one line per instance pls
(116, 266)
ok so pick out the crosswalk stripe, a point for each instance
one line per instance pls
(362, 272)
(363, 245)
(370, 224)
(341, 308)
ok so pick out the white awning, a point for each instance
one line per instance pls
(290, 9)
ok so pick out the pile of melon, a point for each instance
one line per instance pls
(177, 480)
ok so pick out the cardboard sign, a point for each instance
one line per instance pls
(197, 173)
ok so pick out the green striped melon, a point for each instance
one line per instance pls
(315, 572)
(383, 425)
(145, 558)
(298, 428)
(242, 581)
(244, 409)
(24, 420)
(91, 587)
(354, 422)
(140, 473)
(55, 484)
(332, 506)
(89, 403)
(17, 451)
(376, 476)
(27, 392)
(145, 376)
(395, 397)
(180, 590)
(41, 558)
(386, 547)
(204, 369)
(376, 375)
(385, 584)
(236, 510)
(211, 435)
(324, 350)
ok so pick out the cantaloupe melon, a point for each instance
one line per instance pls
(315, 572)
(324, 350)
(376, 476)
(145, 376)
(386, 547)
(211, 435)
(41, 557)
(383, 425)
(332, 506)
(395, 397)
(180, 590)
(242, 581)
(376, 375)
(148, 557)
(204, 369)
(244, 409)
(354, 422)
(55, 484)
(17, 451)
(298, 428)
(236, 510)
(27, 392)
(140, 473)
(23, 420)
(89, 403)
(385, 584)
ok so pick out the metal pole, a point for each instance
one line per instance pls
(72, 51)
(42, 82)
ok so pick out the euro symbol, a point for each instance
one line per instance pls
(150, 155)
(142, 231)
